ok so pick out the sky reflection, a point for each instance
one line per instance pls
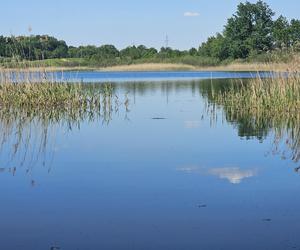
(234, 175)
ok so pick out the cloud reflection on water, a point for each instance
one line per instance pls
(191, 124)
(234, 175)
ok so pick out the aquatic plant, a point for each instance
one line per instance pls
(32, 114)
(260, 107)
(278, 94)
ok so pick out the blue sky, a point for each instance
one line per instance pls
(126, 22)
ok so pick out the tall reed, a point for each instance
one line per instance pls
(31, 114)
(263, 106)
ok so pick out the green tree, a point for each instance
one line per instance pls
(295, 33)
(250, 29)
(193, 52)
(150, 53)
(281, 33)
(216, 47)
(107, 52)
(131, 53)
(86, 51)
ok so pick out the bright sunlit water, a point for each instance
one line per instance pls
(162, 172)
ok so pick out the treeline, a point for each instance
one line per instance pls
(252, 31)
(46, 47)
(32, 47)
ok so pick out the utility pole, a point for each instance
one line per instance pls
(29, 31)
(167, 41)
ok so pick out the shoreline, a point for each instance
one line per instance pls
(163, 67)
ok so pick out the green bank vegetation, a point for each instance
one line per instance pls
(252, 34)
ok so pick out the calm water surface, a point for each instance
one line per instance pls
(157, 169)
(101, 76)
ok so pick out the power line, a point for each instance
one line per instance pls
(167, 41)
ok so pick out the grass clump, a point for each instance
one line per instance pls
(44, 90)
(46, 95)
(33, 114)
(262, 106)
(277, 94)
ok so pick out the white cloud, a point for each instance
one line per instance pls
(191, 14)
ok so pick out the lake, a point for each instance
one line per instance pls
(132, 76)
(98, 76)
(159, 166)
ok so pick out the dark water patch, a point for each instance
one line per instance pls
(267, 220)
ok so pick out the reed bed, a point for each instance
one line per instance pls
(43, 90)
(279, 93)
(30, 130)
(45, 95)
(263, 106)
(35, 106)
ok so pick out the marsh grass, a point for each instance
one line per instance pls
(279, 93)
(35, 105)
(47, 95)
(183, 65)
(33, 111)
(44, 90)
(262, 106)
